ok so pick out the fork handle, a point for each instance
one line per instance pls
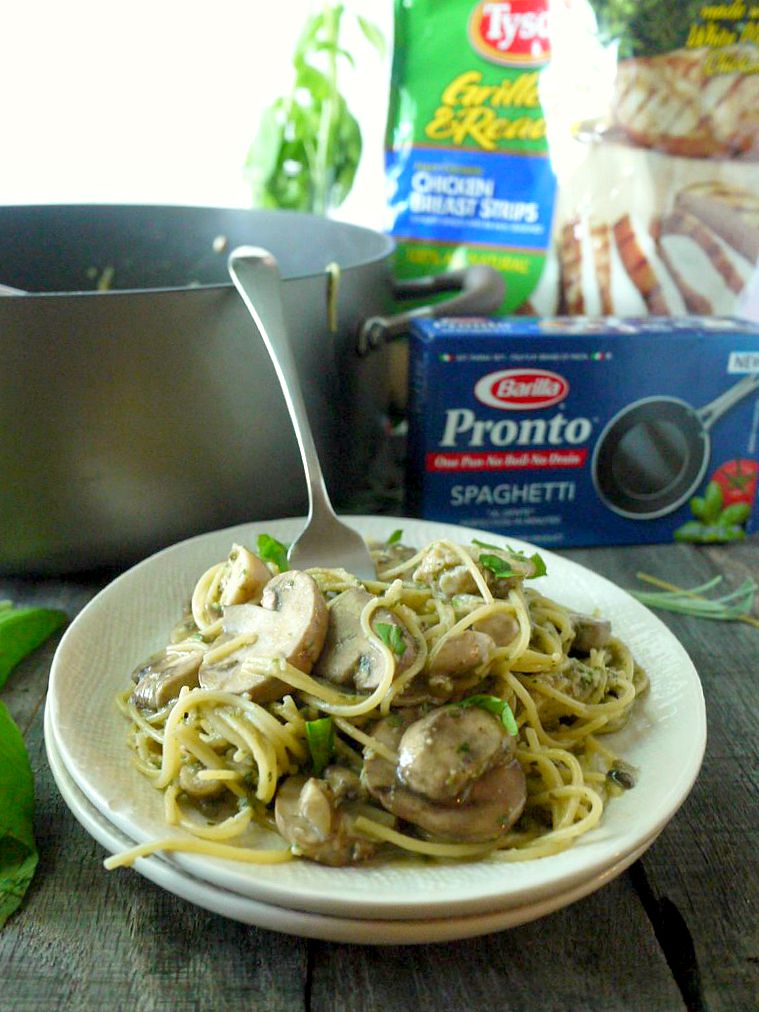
(256, 276)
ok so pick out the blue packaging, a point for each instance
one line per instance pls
(580, 431)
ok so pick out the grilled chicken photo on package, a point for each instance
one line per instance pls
(658, 177)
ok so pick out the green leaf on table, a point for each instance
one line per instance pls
(22, 630)
(18, 853)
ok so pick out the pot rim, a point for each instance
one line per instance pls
(385, 244)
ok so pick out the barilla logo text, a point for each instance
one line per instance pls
(514, 33)
(516, 389)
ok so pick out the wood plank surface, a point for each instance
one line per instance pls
(679, 930)
(700, 881)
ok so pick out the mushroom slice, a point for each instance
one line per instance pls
(351, 656)
(456, 776)
(290, 622)
(502, 627)
(313, 818)
(461, 654)
(244, 577)
(589, 633)
(161, 678)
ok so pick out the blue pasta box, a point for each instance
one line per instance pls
(581, 431)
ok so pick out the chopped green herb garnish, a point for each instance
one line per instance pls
(497, 706)
(271, 550)
(395, 537)
(391, 636)
(539, 566)
(537, 560)
(320, 735)
(498, 567)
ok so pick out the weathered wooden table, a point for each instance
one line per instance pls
(679, 930)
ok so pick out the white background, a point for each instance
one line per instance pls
(158, 102)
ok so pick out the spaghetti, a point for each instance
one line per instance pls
(447, 708)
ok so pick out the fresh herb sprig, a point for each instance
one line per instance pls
(735, 606)
(308, 146)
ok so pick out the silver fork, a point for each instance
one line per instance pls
(325, 540)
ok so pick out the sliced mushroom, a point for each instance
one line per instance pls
(589, 633)
(462, 654)
(244, 577)
(290, 622)
(502, 627)
(314, 816)
(456, 776)
(349, 656)
(161, 678)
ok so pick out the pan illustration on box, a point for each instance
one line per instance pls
(653, 455)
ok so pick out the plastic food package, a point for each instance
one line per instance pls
(603, 154)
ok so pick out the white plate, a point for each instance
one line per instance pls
(361, 931)
(131, 618)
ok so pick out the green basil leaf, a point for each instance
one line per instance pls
(22, 630)
(18, 853)
(497, 706)
(271, 550)
(395, 537)
(498, 567)
(539, 564)
(392, 636)
(320, 735)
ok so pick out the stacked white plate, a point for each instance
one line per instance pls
(394, 903)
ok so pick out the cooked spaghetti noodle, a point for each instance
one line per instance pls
(446, 708)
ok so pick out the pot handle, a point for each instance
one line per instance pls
(482, 292)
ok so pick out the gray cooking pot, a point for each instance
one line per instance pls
(142, 414)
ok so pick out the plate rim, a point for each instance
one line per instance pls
(303, 923)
